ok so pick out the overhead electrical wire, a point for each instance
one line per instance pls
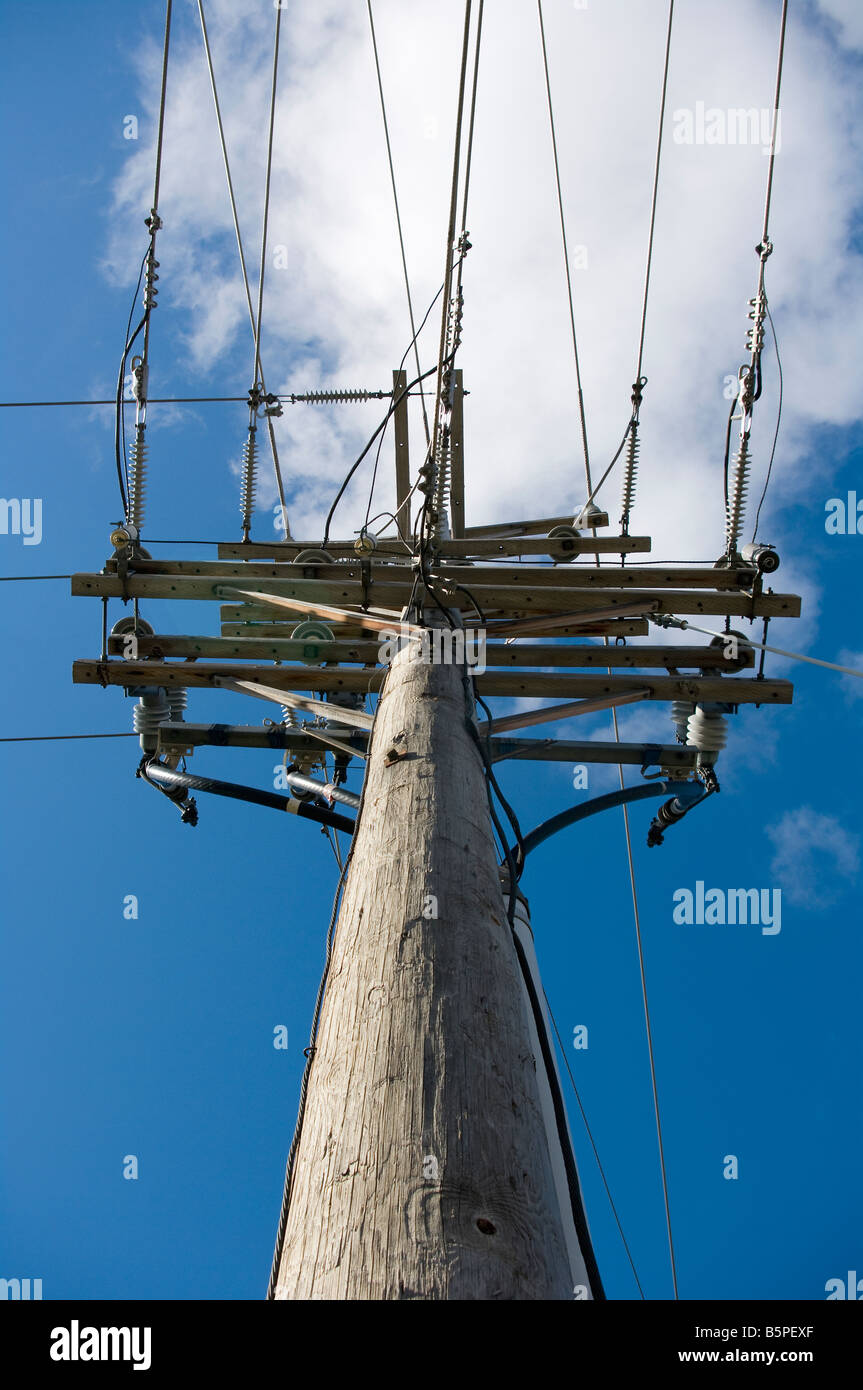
(777, 651)
(749, 376)
(581, 412)
(61, 738)
(280, 488)
(443, 355)
(647, 1025)
(654, 198)
(153, 400)
(591, 491)
(398, 216)
(469, 153)
(403, 395)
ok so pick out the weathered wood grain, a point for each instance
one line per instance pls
(423, 1169)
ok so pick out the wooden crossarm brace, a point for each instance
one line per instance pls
(575, 707)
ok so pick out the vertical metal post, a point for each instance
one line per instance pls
(457, 458)
(403, 469)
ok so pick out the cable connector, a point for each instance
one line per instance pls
(673, 810)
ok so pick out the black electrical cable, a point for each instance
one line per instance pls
(61, 738)
(170, 777)
(589, 808)
(354, 466)
(576, 1199)
(412, 343)
(510, 813)
(120, 421)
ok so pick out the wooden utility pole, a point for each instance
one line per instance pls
(432, 1159)
(423, 1168)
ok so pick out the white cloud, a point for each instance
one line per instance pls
(340, 303)
(848, 18)
(852, 686)
(815, 857)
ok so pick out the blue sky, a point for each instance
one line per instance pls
(154, 1037)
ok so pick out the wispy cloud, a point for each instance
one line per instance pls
(340, 300)
(852, 686)
(815, 857)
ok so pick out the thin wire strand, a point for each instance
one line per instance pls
(162, 102)
(581, 414)
(778, 651)
(280, 488)
(58, 738)
(158, 176)
(648, 1028)
(470, 130)
(655, 190)
(398, 217)
(257, 362)
(593, 1144)
(772, 159)
(447, 288)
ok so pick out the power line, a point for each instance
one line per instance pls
(271, 430)
(398, 216)
(470, 130)
(762, 646)
(59, 738)
(772, 159)
(655, 189)
(257, 362)
(565, 252)
(8, 578)
(154, 400)
(155, 220)
(442, 352)
(648, 1029)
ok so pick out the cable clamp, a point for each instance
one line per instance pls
(649, 761)
(638, 394)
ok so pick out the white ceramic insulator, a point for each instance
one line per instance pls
(707, 731)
